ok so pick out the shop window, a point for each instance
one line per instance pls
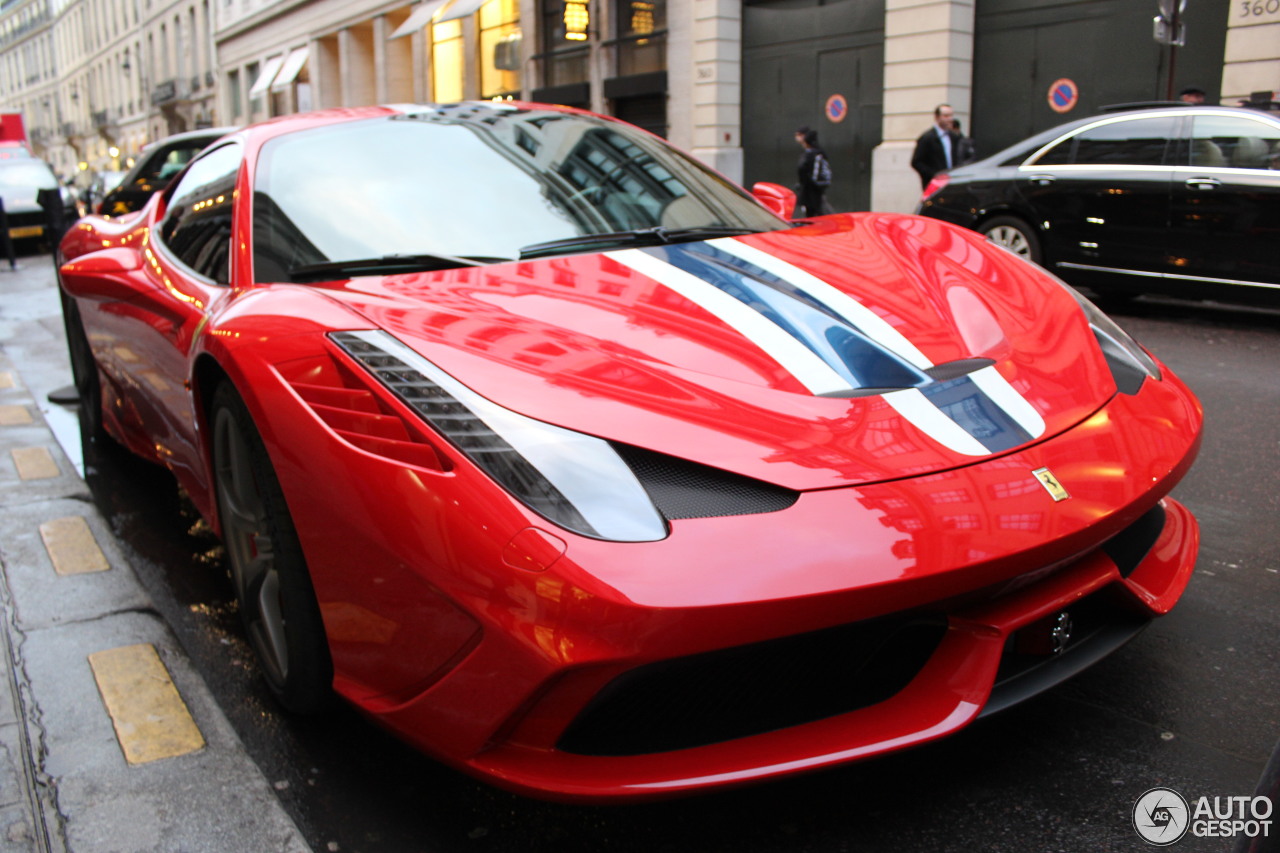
(642, 36)
(447, 62)
(500, 48)
(565, 26)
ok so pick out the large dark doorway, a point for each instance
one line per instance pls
(796, 56)
(1105, 47)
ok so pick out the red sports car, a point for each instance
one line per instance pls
(582, 469)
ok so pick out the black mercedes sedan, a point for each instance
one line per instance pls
(1178, 200)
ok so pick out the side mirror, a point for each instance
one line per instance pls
(108, 275)
(776, 198)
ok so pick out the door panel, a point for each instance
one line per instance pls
(1102, 195)
(1226, 201)
(796, 55)
(1021, 47)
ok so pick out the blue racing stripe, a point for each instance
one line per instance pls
(861, 361)
(969, 406)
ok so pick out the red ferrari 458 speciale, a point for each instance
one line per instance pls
(586, 471)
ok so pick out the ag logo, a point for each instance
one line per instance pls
(1161, 817)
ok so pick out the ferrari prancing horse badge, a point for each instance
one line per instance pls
(1051, 484)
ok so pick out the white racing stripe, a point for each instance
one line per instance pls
(854, 312)
(1007, 397)
(929, 419)
(796, 358)
(809, 368)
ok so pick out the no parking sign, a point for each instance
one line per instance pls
(837, 108)
(1063, 95)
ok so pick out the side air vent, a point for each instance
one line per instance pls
(1130, 546)
(356, 414)
(683, 489)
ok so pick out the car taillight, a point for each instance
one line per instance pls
(935, 186)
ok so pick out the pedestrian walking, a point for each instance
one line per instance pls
(814, 173)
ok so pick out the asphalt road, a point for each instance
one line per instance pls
(1192, 704)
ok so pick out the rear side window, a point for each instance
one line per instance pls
(163, 165)
(1135, 142)
(197, 225)
(1234, 142)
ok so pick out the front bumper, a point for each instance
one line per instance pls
(959, 682)
(488, 639)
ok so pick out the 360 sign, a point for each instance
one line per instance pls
(1252, 10)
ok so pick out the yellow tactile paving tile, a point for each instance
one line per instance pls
(6, 380)
(14, 416)
(34, 463)
(71, 546)
(150, 718)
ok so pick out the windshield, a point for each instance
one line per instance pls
(479, 183)
(27, 175)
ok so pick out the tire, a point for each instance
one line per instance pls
(277, 602)
(1014, 234)
(84, 371)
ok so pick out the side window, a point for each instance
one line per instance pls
(1133, 142)
(1060, 154)
(1234, 142)
(197, 225)
(163, 165)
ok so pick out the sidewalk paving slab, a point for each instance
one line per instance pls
(65, 784)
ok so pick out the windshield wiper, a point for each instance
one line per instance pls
(386, 263)
(655, 236)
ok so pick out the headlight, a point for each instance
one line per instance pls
(575, 480)
(1128, 361)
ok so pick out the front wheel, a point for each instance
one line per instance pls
(1014, 234)
(84, 370)
(277, 603)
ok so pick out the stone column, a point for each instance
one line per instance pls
(1252, 57)
(705, 108)
(928, 60)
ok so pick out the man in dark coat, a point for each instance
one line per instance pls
(938, 148)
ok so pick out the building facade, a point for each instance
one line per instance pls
(729, 80)
(96, 80)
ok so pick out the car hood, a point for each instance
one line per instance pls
(20, 200)
(857, 349)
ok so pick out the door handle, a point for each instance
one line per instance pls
(1043, 180)
(1203, 183)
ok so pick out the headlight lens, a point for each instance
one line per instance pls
(575, 480)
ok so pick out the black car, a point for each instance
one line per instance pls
(1177, 200)
(155, 168)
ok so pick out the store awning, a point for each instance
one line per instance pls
(418, 18)
(263, 83)
(460, 9)
(289, 72)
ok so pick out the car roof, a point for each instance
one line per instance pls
(210, 133)
(1044, 137)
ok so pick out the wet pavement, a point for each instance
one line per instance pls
(1192, 704)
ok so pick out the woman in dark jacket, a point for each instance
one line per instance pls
(814, 172)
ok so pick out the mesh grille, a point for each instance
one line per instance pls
(748, 690)
(682, 489)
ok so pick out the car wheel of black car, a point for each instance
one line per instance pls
(84, 371)
(277, 603)
(1014, 234)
